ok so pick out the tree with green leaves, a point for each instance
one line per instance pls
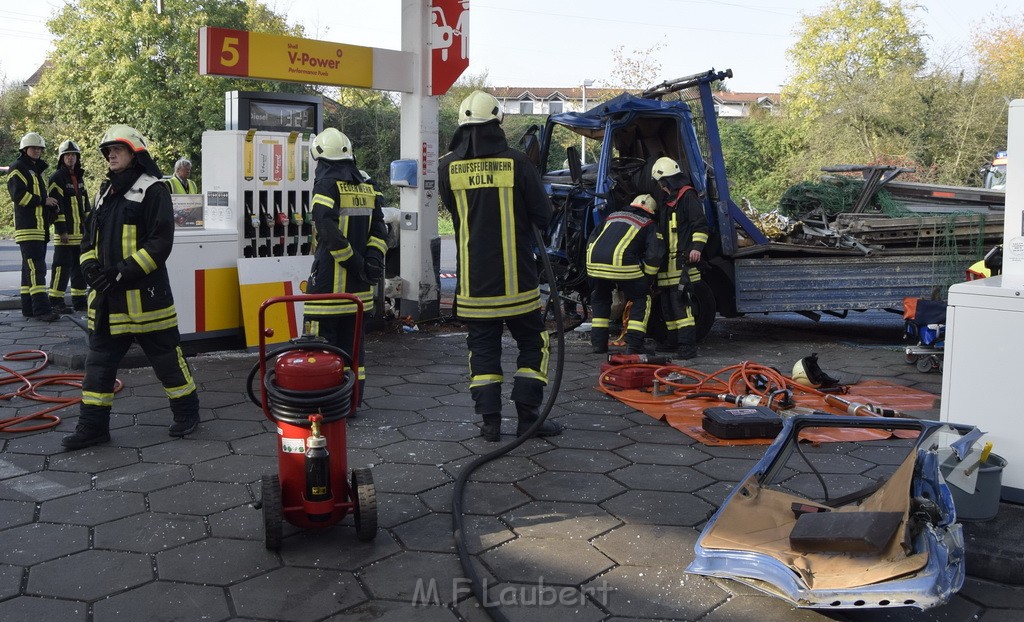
(118, 61)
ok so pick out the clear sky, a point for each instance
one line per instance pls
(562, 42)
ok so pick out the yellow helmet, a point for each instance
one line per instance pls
(331, 144)
(645, 202)
(32, 140)
(125, 135)
(807, 372)
(479, 108)
(664, 167)
(68, 146)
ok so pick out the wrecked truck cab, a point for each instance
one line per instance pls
(800, 527)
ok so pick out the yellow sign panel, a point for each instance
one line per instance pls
(276, 57)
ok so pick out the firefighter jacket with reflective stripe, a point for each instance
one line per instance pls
(494, 201)
(626, 246)
(348, 223)
(68, 187)
(28, 193)
(133, 231)
(684, 228)
(177, 187)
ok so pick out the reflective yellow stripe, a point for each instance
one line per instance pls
(484, 380)
(508, 239)
(700, 237)
(91, 398)
(343, 254)
(145, 261)
(127, 240)
(323, 199)
(139, 329)
(379, 244)
(89, 254)
(599, 322)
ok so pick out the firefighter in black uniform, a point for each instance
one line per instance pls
(625, 251)
(33, 213)
(127, 240)
(685, 230)
(68, 187)
(496, 197)
(350, 238)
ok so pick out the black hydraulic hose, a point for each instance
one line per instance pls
(294, 406)
(458, 530)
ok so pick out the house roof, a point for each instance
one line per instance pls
(576, 92)
(746, 98)
(34, 79)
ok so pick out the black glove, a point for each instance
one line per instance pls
(373, 266)
(93, 272)
(354, 264)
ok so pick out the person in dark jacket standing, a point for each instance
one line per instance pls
(33, 214)
(685, 229)
(496, 197)
(351, 239)
(625, 251)
(127, 241)
(67, 186)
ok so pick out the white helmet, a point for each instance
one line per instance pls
(645, 202)
(68, 146)
(479, 108)
(664, 167)
(32, 140)
(331, 144)
(125, 135)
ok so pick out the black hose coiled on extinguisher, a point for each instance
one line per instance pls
(458, 530)
(294, 407)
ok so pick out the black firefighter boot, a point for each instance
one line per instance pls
(491, 429)
(185, 410)
(635, 342)
(528, 415)
(687, 343)
(599, 340)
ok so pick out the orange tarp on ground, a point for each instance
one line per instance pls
(685, 415)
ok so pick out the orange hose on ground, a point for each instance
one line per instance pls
(31, 381)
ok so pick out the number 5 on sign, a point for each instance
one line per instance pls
(223, 51)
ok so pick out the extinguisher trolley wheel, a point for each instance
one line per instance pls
(272, 512)
(364, 496)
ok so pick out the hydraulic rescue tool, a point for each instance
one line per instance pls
(308, 393)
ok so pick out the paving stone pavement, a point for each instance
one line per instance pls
(148, 527)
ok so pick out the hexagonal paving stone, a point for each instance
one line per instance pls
(44, 485)
(648, 545)
(14, 465)
(245, 411)
(650, 507)
(415, 389)
(424, 534)
(296, 594)
(79, 576)
(372, 437)
(226, 429)
(217, 561)
(557, 560)
(24, 608)
(143, 477)
(761, 608)
(441, 431)
(37, 542)
(423, 452)
(243, 522)
(185, 451)
(567, 486)
(395, 509)
(336, 548)
(408, 478)
(552, 519)
(16, 513)
(659, 592)
(390, 418)
(10, 581)
(388, 611)
(137, 436)
(164, 600)
(92, 507)
(579, 460)
(46, 444)
(94, 459)
(661, 477)
(508, 469)
(150, 532)
(478, 498)
(400, 402)
(414, 576)
(658, 434)
(235, 468)
(590, 439)
(809, 486)
(259, 445)
(199, 498)
(647, 453)
(716, 493)
(585, 421)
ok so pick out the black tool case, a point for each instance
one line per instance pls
(742, 422)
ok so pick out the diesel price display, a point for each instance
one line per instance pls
(280, 117)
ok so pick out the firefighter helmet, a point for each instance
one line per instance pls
(125, 135)
(664, 167)
(68, 146)
(645, 202)
(32, 140)
(479, 108)
(331, 144)
(807, 372)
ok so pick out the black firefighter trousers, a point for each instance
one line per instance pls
(484, 342)
(105, 354)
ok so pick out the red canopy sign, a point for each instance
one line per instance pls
(449, 39)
